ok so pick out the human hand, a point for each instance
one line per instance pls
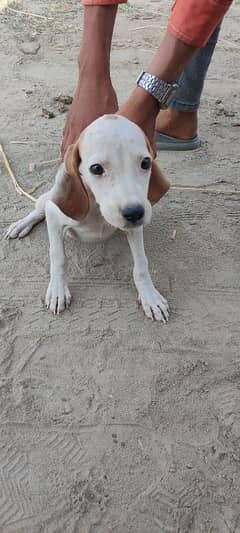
(142, 109)
(93, 98)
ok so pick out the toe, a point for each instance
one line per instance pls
(60, 304)
(67, 298)
(158, 314)
(11, 232)
(155, 306)
(58, 298)
(24, 232)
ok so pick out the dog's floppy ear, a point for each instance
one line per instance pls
(72, 160)
(150, 148)
(159, 184)
(75, 203)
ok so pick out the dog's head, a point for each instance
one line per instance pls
(114, 160)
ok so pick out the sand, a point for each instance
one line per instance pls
(111, 423)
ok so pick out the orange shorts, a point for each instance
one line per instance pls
(194, 21)
(191, 21)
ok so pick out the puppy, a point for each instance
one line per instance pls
(108, 181)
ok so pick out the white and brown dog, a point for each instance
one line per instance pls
(107, 181)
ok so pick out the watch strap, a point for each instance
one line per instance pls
(162, 91)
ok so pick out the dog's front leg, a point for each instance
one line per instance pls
(154, 305)
(58, 296)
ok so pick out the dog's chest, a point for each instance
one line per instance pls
(93, 228)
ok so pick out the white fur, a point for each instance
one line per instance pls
(119, 146)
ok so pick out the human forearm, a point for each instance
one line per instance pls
(94, 57)
(94, 95)
(168, 63)
(170, 58)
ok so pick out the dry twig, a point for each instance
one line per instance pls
(28, 13)
(18, 188)
(173, 236)
(35, 187)
(196, 188)
(50, 162)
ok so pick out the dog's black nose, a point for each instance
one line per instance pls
(133, 213)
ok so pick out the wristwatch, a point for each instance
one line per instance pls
(162, 91)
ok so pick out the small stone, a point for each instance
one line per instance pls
(62, 108)
(47, 114)
(31, 167)
(220, 109)
(90, 495)
(229, 113)
(98, 261)
(67, 409)
(222, 456)
(101, 367)
(63, 99)
(30, 48)
(218, 101)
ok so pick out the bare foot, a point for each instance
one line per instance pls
(178, 124)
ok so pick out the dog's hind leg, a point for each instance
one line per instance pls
(23, 226)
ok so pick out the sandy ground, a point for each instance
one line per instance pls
(111, 423)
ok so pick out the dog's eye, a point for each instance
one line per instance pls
(146, 163)
(97, 169)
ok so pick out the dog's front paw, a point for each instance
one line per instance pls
(155, 306)
(19, 229)
(58, 296)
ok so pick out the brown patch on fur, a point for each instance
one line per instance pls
(75, 200)
(159, 184)
(152, 151)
